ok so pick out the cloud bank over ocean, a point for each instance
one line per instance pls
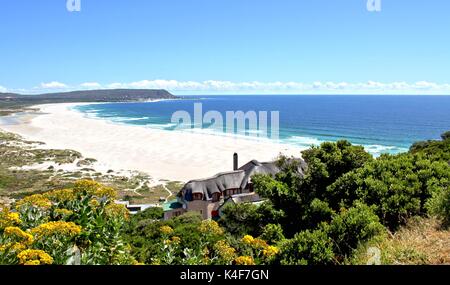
(253, 87)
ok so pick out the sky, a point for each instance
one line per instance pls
(226, 46)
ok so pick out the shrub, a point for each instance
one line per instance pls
(307, 248)
(303, 197)
(352, 227)
(434, 150)
(241, 219)
(331, 161)
(80, 225)
(272, 233)
(397, 186)
(445, 136)
(154, 213)
(439, 205)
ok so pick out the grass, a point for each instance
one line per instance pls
(421, 241)
(174, 186)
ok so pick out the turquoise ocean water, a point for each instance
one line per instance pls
(382, 124)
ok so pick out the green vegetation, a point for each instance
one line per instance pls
(80, 225)
(346, 207)
(241, 219)
(434, 150)
(187, 240)
(346, 198)
(439, 205)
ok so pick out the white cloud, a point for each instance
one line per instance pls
(53, 85)
(90, 85)
(3, 89)
(259, 87)
(115, 86)
(426, 85)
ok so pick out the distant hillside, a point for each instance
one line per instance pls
(114, 95)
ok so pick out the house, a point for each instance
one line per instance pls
(207, 196)
(134, 209)
(173, 209)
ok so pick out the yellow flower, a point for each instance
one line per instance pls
(115, 210)
(18, 233)
(95, 189)
(166, 230)
(31, 257)
(8, 219)
(56, 228)
(89, 186)
(248, 239)
(205, 251)
(259, 243)
(224, 250)
(18, 247)
(59, 196)
(106, 192)
(270, 251)
(14, 217)
(210, 227)
(176, 240)
(32, 262)
(94, 203)
(244, 260)
(63, 212)
(37, 200)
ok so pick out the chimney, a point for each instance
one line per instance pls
(235, 162)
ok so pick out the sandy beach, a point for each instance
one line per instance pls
(171, 155)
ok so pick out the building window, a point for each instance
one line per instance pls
(198, 196)
(231, 192)
(216, 197)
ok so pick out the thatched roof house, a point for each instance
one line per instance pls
(207, 195)
(227, 183)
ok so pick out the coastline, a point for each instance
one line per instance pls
(164, 155)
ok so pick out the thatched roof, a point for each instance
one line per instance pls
(238, 179)
(256, 167)
(246, 198)
(215, 184)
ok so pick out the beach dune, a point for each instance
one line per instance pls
(171, 155)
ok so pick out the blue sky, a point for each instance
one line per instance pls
(226, 46)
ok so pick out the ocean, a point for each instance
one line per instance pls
(382, 124)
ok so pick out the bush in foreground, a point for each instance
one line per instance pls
(79, 225)
(439, 205)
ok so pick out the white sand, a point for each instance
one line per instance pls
(172, 155)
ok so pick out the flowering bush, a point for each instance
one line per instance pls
(258, 249)
(34, 257)
(211, 227)
(244, 260)
(79, 225)
(225, 253)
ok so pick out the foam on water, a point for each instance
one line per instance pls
(127, 119)
(382, 124)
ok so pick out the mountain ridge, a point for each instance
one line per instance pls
(100, 95)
